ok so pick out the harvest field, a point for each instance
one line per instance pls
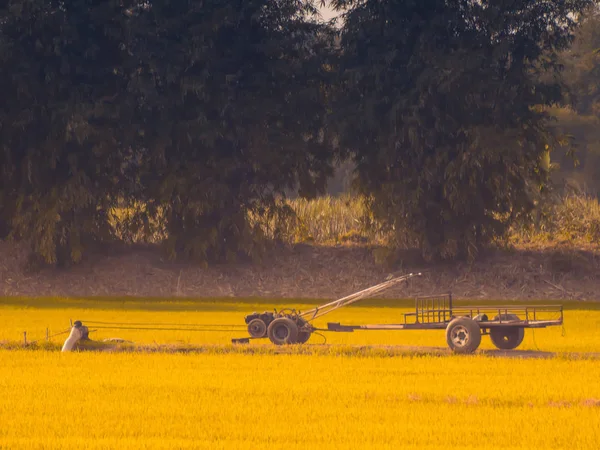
(335, 396)
(581, 332)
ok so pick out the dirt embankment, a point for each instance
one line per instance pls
(305, 271)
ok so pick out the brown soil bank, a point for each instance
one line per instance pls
(305, 271)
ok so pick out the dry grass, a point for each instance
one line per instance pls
(573, 220)
(334, 220)
(324, 220)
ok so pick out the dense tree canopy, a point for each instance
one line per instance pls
(440, 107)
(579, 118)
(232, 114)
(205, 113)
(582, 65)
(200, 109)
(59, 137)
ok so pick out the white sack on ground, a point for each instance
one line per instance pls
(75, 336)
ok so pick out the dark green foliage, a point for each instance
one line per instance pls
(582, 66)
(232, 113)
(204, 113)
(200, 110)
(577, 164)
(58, 122)
(440, 108)
(581, 120)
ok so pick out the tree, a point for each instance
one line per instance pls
(203, 111)
(441, 109)
(580, 118)
(232, 115)
(582, 66)
(59, 124)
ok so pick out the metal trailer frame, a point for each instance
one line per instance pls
(437, 317)
(464, 325)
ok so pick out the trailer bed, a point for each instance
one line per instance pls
(465, 325)
(439, 326)
(436, 312)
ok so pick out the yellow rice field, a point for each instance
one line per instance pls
(54, 400)
(311, 399)
(581, 331)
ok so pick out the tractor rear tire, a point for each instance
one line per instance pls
(283, 330)
(507, 338)
(463, 335)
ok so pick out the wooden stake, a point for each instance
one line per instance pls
(25, 337)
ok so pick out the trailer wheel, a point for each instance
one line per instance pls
(463, 335)
(257, 328)
(283, 330)
(507, 338)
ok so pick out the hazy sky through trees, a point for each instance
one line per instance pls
(327, 12)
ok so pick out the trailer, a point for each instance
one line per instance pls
(464, 325)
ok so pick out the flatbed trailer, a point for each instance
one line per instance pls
(464, 325)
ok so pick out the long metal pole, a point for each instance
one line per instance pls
(352, 298)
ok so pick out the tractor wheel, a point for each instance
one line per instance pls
(303, 336)
(463, 335)
(257, 328)
(507, 338)
(283, 330)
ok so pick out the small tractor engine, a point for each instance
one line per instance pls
(258, 323)
(280, 327)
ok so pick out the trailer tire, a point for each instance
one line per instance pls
(283, 330)
(463, 335)
(257, 328)
(507, 338)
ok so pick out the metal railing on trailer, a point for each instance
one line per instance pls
(436, 309)
(465, 325)
(529, 316)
